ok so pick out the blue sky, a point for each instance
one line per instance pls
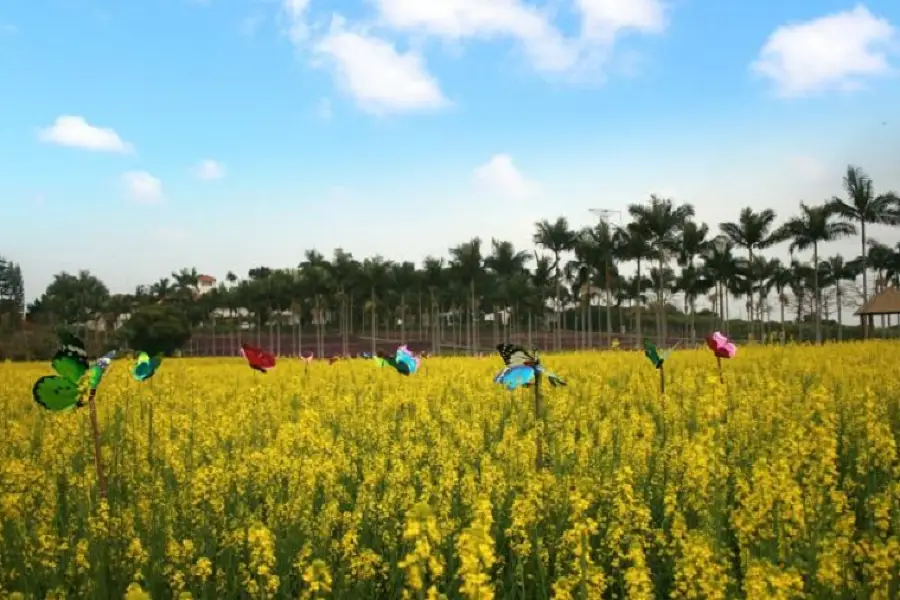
(140, 137)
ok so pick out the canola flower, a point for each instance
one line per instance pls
(346, 481)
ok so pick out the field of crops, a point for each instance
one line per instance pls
(348, 481)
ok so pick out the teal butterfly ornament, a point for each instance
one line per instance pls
(145, 367)
(75, 376)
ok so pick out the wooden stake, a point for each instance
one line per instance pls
(538, 418)
(662, 379)
(719, 363)
(98, 456)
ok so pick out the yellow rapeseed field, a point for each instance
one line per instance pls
(349, 481)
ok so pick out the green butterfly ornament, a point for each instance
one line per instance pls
(74, 376)
(653, 354)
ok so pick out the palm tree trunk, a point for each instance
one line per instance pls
(472, 322)
(865, 277)
(609, 333)
(818, 300)
(783, 331)
(557, 340)
(374, 319)
(750, 295)
(637, 308)
(838, 296)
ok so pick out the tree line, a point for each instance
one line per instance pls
(575, 292)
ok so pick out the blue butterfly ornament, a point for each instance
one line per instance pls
(521, 367)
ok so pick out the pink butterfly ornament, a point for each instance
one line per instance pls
(722, 347)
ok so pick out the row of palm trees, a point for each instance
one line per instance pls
(575, 286)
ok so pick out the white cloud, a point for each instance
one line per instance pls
(295, 11)
(548, 49)
(458, 19)
(602, 20)
(500, 176)
(76, 132)
(209, 170)
(381, 79)
(836, 51)
(142, 187)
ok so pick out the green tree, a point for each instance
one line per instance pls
(753, 232)
(866, 207)
(815, 225)
(157, 329)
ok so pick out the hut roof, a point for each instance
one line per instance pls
(886, 302)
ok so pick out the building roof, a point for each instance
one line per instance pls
(206, 279)
(886, 302)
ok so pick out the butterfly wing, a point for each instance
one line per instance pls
(56, 393)
(72, 345)
(70, 364)
(145, 367)
(405, 359)
(513, 355)
(515, 376)
(257, 358)
(652, 353)
(554, 379)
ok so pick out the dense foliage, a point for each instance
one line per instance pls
(650, 272)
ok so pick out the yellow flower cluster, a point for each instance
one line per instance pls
(348, 481)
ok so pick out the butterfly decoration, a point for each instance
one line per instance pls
(333, 359)
(404, 361)
(653, 354)
(721, 346)
(258, 359)
(145, 367)
(521, 367)
(65, 390)
(308, 358)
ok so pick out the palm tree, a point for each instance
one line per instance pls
(581, 273)
(837, 271)
(864, 206)
(542, 283)
(434, 279)
(693, 283)
(661, 223)
(633, 244)
(603, 250)
(753, 231)
(376, 277)
(315, 271)
(404, 277)
(506, 263)
(556, 237)
(467, 263)
(780, 278)
(343, 270)
(186, 282)
(815, 225)
(721, 266)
